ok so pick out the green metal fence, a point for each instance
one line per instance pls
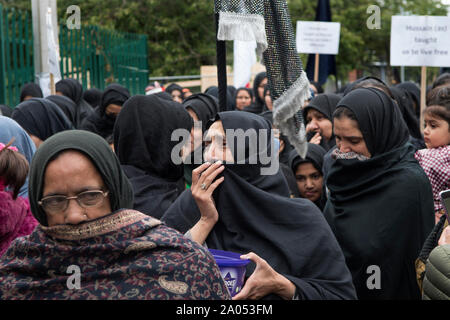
(92, 55)
(16, 53)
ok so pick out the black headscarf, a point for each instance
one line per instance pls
(93, 97)
(70, 88)
(174, 87)
(381, 209)
(214, 91)
(101, 155)
(41, 118)
(114, 94)
(325, 104)
(257, 215)
(315, 156)
(414, 92)
(143, 144)
(379, 119)
(406, 107)
(67, 106)
(99, 122)
(5, 111)
(205, 107)
(259, 104)
(32, 90)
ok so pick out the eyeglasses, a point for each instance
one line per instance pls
(87, 199)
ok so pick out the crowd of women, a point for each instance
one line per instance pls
(92, 205)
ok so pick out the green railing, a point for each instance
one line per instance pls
(97, 57)
(92, 55)
(16, 53)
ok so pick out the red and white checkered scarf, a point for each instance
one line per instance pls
(436, 164)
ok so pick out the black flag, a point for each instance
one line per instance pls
(327, 63)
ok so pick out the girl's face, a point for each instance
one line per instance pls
(436, 133)
(243, 100)
(309, 181)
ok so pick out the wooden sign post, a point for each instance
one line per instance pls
(420, 41)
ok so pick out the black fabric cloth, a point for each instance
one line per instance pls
(114, 94)
(214, 91)
(30, 89)
(68, 107)
(93, 97)
(153, 195)
(99, 122)
(257, 215)
(143, 140)
(414, 92)
(101, 155)
(204, 106)
(5, 111)
(381, 209)
(70, 88)
(351, 86)
(73, 89)
(231, 90)
(406, 107)
(325, 104)
(315, 156)
(258, 106)
(174, 87)
(291, 181)
(379, 119)
(41, 118)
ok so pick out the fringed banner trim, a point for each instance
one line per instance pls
(243, 27)
(285, 109)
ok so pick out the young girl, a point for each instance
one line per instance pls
(16, 219)
(435, 160)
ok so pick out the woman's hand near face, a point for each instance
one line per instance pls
(316, 139)
(203, 186)
(264, 281)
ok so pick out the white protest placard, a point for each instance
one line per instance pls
(418, 41)
(318, 37)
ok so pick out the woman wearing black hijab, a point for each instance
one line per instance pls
(93, 97)
(143, 143)
(309, 174)
(41, 119)
(258, 90)
(405, 104)
(318, 115)
(380, 204)
(102, 120)
(413, 91)
(73, 89)
(255, 214)
(176, 91)
(68, 107)
(214, 91)
(202, 108)
(30, 90)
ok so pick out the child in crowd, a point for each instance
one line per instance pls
(16, 219)
(435, 160)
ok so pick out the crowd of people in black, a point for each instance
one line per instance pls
(88, 179)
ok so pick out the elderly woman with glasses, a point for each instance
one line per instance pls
(89, 244)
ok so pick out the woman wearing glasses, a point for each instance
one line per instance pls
(89, 245)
